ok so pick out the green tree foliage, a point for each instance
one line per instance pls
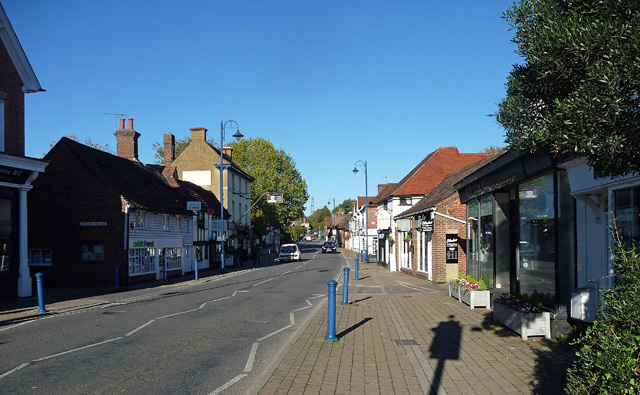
(609, 357)
(577, 91)
(297, 232)
(317, 219)
(492, 149)
(346, 207)
(273, 170)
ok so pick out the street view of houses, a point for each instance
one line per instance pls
(509, 270)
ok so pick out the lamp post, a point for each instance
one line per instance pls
(238, 136)
(333, 214)
(366, 203)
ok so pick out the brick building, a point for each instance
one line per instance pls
(438, 230)
(17, 171)
(94, 214)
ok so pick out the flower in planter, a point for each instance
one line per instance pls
(471, 283)
(521, 303)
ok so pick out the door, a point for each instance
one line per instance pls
(161, 274)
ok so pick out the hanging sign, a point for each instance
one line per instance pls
(452, 248)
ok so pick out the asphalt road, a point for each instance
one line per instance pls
(220, 335)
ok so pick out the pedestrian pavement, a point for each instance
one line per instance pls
(401, 334)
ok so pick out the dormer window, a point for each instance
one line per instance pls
(405, 201)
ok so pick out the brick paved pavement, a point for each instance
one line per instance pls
(403, 335)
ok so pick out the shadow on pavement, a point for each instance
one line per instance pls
(353, 328)
(445, 346)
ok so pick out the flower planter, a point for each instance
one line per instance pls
(472, 298)
(525, 324)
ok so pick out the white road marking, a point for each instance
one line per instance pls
(14, 370)
(262, 282)
(140, 327)
(252, 357)
(228, 384)
(274, 333)
(77, 349)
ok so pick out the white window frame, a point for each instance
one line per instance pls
(142, 261)
(140, 219)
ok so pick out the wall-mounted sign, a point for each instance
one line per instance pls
(452, 248)
(93, 224)
(384, 219)
(219, 225)
(194, 206)
(13, 175)
(427, 226)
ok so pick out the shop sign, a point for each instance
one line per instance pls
(13, 175)
(384, 219)
(143, 243)
(218, 225)
(194, 206)
(427, 226)
(452, 248)
(93, 224)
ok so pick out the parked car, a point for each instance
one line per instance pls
(290, 252)
(329, 246)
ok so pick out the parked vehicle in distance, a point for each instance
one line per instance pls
(329, 246)
(289, 252)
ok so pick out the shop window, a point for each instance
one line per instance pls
(2, 94)
(173, 258)
(486, 241)
(140, 221)
(92, 252)
(627, 214)
(39, 257)
(536, 247)
(142, 261)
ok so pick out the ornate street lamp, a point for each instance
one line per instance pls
(366, 202)
(237, 136)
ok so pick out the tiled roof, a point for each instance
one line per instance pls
(428, 173)
(444, 188)
(142, 186)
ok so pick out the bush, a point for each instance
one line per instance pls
(609, 354)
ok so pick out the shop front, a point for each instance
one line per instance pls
(521, 227)
(159, 258)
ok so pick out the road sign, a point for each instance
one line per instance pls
(194, 206)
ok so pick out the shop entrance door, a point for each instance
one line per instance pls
(161, 274)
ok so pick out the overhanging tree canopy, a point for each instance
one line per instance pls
(577, 91)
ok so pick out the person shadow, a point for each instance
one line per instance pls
(445, 346)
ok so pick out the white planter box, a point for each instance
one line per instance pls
(525, 324)
(472, 298)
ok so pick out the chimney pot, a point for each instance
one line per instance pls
(131, 123)
(121, 123)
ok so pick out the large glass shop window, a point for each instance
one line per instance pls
(536, 266)
(627, 215)
(481, 239)
(486, 242)
(473, 210)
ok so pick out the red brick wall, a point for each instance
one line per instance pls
(67, 194)
(11, 86)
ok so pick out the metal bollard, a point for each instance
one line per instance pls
(345, 289)
(357, 269)
(331, 318)
(117, 276)
(41, 308)
(196, 270)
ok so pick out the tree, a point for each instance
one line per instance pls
(346, 207)
(317, 219)
(492, 149)
(273, 171)
(577, 91)
(609, 356)
(87, 142)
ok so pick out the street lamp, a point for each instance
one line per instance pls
(237, 136)
(366, 202)
(333, 214)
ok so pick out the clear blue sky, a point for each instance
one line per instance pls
(330, 82)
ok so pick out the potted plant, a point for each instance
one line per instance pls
(391, 241)
(523, 314)
(470, 291)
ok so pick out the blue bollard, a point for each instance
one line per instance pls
(357, 269)
(331, 318)
(117, 276)
(345, 285)
(41, 308)
(196, 270)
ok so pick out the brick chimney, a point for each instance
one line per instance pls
(228, 151)
(169, 148)
(127, 141)
(198, 134)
